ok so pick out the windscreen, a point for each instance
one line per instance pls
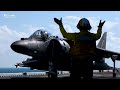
(40, 34)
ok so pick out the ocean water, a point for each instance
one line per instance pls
(18, 70)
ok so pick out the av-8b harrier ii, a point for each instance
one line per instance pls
(52, 53)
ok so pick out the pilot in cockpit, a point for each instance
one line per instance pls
(40, 34)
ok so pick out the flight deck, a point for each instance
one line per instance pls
(61, 75)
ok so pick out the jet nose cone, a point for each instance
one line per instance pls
(19, 46)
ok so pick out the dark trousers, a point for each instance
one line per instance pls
(81, 68)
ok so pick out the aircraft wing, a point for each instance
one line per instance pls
(107, 53)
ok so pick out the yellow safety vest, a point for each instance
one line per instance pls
(84, 42)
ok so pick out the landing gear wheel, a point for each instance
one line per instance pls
(52, 71)
(52, 52)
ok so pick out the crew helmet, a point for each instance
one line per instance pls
(84, 24)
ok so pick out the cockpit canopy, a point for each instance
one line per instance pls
(41, 34)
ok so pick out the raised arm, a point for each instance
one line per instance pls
(99, 31)
(62, 30)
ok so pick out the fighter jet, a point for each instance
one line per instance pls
(100, 64)
(44, 50)
(51, 53)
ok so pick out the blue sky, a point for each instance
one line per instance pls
(17, 24)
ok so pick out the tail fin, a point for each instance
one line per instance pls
(100, 63)
(102, 42)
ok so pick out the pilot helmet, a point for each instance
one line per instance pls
(44, 34)
(84, 24)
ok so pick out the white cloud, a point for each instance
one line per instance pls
(7, 37)
(71, 20)
(116, 12)
(75, 19)
(72, 17)
(70, 23)
(53, 26)
(117, 19)
(113, 42)
(4, 29)
(7, 34)
(110, 25)
(54, 30)
(30, 29)
(9, 15)
(69, 29)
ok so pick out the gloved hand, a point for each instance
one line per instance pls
(59, 22)
(101, 23)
